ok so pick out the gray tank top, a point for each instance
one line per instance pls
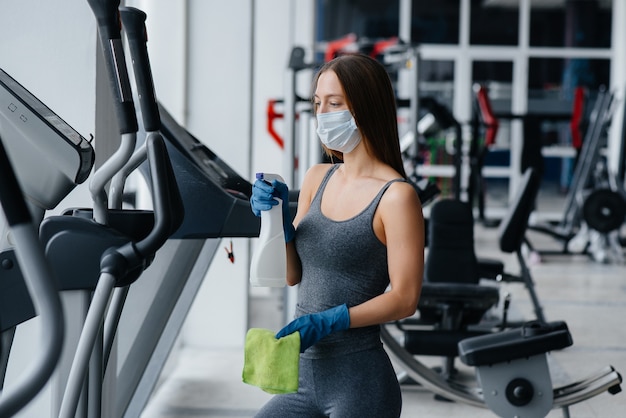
(342, 262)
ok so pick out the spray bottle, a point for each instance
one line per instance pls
(269, 261)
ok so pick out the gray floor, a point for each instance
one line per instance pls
(588, 295)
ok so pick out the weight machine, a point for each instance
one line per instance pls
(513, 377)
(595, 206)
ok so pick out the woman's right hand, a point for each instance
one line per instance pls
(262, 197)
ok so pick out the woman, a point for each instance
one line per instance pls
(357, 249)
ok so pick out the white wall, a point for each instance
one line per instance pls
(279, 25)
(48, 46)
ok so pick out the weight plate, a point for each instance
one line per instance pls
(604, 210)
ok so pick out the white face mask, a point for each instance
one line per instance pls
(338, 131)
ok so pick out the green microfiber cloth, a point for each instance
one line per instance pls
(270, 363)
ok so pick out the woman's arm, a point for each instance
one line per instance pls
(310, 184)
(294, 268)
(399, 218)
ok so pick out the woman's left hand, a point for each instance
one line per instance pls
(314, 327)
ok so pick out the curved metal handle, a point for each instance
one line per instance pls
(107, 17)
(168, 204)
(41, 287)
(134, 25)
(168, 215)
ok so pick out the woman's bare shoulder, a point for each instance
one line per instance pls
(401, 193)
(314, 176)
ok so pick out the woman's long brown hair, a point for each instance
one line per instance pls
(371, 99)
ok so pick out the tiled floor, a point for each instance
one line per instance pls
(589, 296)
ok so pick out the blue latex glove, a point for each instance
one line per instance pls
(314, 327)
(262, 198)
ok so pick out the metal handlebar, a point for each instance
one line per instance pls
(41, 287)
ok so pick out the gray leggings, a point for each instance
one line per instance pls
(358, 385)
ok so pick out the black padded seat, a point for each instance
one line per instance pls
(512, 367)
(531, 339)
(451, 256)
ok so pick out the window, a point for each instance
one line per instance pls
(498, 71)
(567, 73)
(374, 19)
(571, 23)
(435, 22)
(494, 22)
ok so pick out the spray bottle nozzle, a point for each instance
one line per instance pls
(261, 176)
